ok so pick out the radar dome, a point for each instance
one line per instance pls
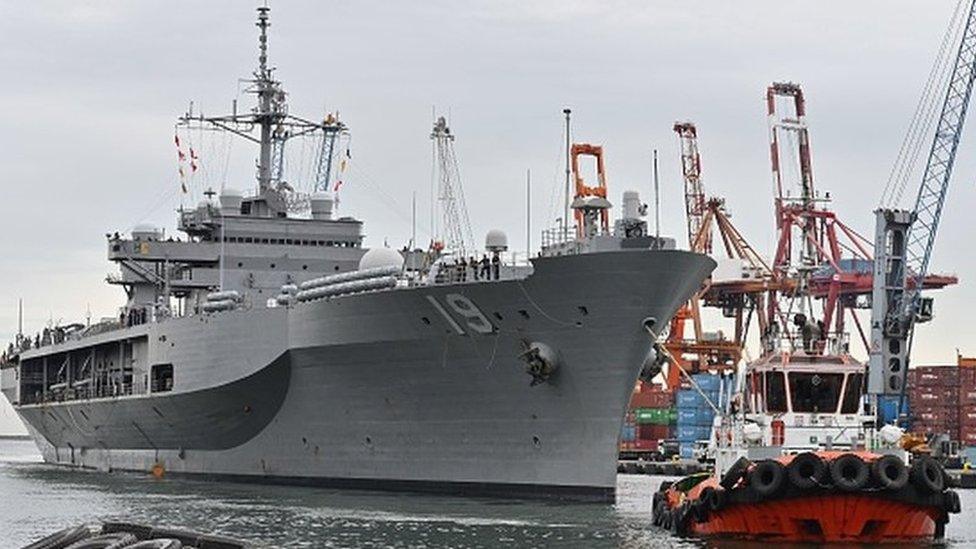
(496, 241)
(380, 257)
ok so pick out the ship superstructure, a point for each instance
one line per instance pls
(269, 345)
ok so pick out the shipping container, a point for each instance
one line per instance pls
(946, 415)
(628, 433)
(658, 416)
(651, 399)
(967, 396)
(929, 428)
(709, 383)
(933, 395)
(687, 451)
(640, 445)
(967, 438)
(691, 433)
(693, 399)
(695, 416)
(967, 415)
(653, 432)
(945, 376)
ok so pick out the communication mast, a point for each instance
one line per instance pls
(275, 125)
(455, 224)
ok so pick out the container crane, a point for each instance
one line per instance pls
(904, 239)
(704, 351)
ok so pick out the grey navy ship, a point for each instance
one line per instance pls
(273, 347)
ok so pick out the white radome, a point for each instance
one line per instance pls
(380, 257)
(496, 241)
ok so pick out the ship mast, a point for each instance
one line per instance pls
(270, 101)
(275, 127)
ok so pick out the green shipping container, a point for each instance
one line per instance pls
(655, 416)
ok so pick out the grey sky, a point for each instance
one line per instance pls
(93, 88)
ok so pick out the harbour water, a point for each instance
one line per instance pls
(36, 499)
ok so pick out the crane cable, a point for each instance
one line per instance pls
(925, 113)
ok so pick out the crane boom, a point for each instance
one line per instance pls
(904, 240)
(935, 181)
(695, 203)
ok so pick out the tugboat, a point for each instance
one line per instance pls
(814, 481)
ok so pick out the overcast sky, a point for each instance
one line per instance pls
(92, 90)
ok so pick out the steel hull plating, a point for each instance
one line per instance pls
(400, 389)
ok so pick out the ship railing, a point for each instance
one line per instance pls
(511, 265)
(815, 343)
(558, 236)
(61, 392)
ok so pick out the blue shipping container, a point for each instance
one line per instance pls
(628, 433)
(695, 416)
(693, 399)
(709, 383)
(691, 433)
(687, 451)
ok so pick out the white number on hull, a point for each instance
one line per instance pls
(468, 311)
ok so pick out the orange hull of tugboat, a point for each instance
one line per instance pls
(837, 518)
(815, 497)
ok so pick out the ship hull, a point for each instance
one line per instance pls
(833, 518)
(405, 389)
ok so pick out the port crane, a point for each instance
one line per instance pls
(740, 297)
(904, 239)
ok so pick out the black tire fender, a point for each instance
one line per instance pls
(117, 540)
(926, 474)
(766, 478)
(889, 472)
(735, 473)
(699, 511)
(950, 502)
(706, 497)
(161, 543)
(657, 515)
(720, 500)
(849, 472)
(61, 539)
(807, 470)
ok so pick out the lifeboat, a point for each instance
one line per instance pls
(813, 497)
